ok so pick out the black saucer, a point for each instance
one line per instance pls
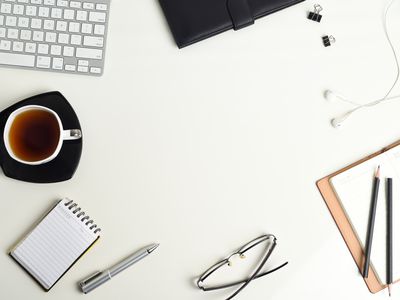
(65, 164)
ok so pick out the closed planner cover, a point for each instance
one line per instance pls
(194, 20)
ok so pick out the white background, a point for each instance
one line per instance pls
(205, 148)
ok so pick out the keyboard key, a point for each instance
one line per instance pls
(30, 47)
(58, 63)
(11, 21)
(56, 13)
(36, 1)
(44, 12)
(95, 70)
(76, 39)
(2, 32)
(70, 68)
(36, 23)
(87, 28)
(43, 62)
(83, 69)
(89, 53)
(5, 8)
(87, 5)
(31, 11)
(93, 41)
(17, 59)
(18, 9)
(101, 6)
(62, 3)
(63, 38)
(26, 34)
(23, 22)
(74, 27)
(51, 37)
(84, 63)
(1, 20)
(99, 17)
(99, 29)
(75, 4)
(18, 46)
(55, 50)
(68, 51)
(48, 24)
(23, 1)
(43, 49)
(61, 26)
(69, 14)
(5, 45)
(38, 36)
(49, 2)
(12, 33)
(81, 15)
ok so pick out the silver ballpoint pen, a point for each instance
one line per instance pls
(99, 278)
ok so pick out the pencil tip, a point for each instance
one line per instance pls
(390, 290)
(378, 172)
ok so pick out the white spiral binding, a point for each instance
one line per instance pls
(73, 207)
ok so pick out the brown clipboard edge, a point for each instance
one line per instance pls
(343, 223)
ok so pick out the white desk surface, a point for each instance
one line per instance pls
(205, 148)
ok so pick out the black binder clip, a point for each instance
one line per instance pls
(328, 40)
(315, 16)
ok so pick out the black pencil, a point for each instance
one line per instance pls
(389, 237)
(371, 222)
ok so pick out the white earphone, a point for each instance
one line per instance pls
(334, 96)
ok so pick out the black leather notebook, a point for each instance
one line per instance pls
(195, 20)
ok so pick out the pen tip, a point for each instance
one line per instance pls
(152, 248)
(390, 290)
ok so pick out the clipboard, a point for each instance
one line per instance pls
(344, 225)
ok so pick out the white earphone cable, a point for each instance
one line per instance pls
(386, 97)
(393, 50)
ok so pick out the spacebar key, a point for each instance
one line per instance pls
(89, 53)
(20, 60)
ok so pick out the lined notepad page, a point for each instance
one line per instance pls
(354, 190)
(54, 245)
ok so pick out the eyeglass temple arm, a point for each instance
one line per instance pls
(243, 281)
(246, 283)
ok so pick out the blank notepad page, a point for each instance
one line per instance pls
(50, 249)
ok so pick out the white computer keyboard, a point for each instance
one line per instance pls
(54, 35)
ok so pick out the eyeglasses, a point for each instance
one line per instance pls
(266, 243)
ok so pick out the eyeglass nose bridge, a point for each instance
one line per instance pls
(241, 255)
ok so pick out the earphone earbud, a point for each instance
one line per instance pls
(337, 122)
(333, 96)
(330, 96)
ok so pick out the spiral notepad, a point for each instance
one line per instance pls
(56, 243)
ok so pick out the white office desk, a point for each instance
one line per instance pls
(205, 148)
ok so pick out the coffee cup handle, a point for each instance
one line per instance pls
(72, 134)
